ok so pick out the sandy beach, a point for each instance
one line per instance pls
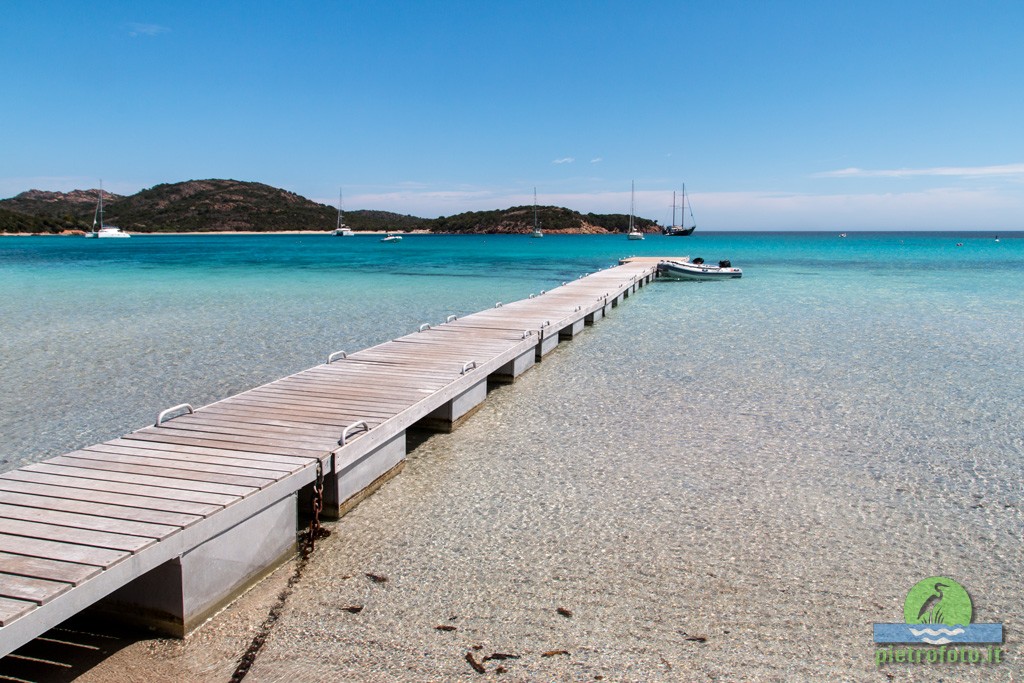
(225, 232)
(570, 531)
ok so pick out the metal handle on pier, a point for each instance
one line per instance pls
(451, 318)
(331, 358)
(424, 326)
(468, 365)
(498, 305)
(352, 427)
(163, 414)
(532, 295)
(527, 333)
(543, 291)
(578, 308)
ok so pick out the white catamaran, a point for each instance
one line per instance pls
(342, 230)
(100, 230)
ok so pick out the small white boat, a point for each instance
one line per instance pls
(634, 233)
(685, 269)
(342, 230)
(389, 237)
(842, 234)
(536, 226)
(100, 230)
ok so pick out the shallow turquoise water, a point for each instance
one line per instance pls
(98, 336)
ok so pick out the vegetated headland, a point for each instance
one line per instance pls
(236, 206)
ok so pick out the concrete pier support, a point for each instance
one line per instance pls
(572, 330)
(355, 478)
(547, 345)
(618, 300)
(179, 595)
(453, 413)
(591, 318)
(508, 373)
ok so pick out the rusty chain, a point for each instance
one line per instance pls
(317, 505)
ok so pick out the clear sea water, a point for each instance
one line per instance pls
(769, 463)
(98, 336)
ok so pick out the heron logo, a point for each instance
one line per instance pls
(938, 600)
(938, 611)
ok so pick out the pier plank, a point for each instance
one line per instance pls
(265, 417)
(185, 439)
(187, 458)
(228, 427)
(341, 390)
(267, 413)
(51, 570)
(296, 460)
(85, 521)
(66, 552)
(12, 609)
(31, 589)
(196, 481)
(61, 488)
(53, 532)
(178, 468)
(169, 486)
(240, 441)
(316, 417)
(134, 514)
(356, 400)
(356, 382)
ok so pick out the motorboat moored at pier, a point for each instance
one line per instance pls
(697, 269)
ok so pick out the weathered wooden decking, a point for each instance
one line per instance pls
(76, 528)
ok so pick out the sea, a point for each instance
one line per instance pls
(861, 392)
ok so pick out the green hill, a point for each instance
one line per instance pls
(14, 222)
(218, 205)
(232, 205)
(555, 219)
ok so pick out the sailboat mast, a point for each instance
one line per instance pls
(682, 207)
(101, 204)
(632, 202)
(535, 209)
(673, 208)
(341, 211)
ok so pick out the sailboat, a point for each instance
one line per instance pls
(100, 230)
(536, 226)
(634, 233)
(680, 230)
(342, 230)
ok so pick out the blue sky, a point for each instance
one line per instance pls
(777, 115)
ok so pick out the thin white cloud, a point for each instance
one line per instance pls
(955, 171)
(596, 160)
(564, 160)
(136, 29)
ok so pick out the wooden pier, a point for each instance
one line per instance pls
(167, 524)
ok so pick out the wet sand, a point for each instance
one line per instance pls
(686, 532)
